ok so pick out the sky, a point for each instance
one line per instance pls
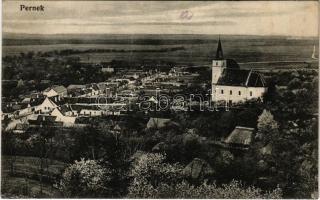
(289, 18)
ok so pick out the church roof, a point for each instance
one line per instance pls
(219, 53)
(241, 77)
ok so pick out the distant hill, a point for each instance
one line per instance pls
(10, 39)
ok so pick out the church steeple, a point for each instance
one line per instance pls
(219, 53)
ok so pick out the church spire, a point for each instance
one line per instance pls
(219, 53)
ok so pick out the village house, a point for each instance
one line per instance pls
(232, 84)
(46, 106)
(60, 117)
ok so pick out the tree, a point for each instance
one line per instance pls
(153, 178)
(84, 178)
(295, 83)
(150, 172)
(267, 127)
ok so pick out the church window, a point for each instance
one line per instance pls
(221, 91)
(251, 93)
(239, 92)
(230, 92)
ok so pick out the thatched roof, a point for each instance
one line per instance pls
(240, 135)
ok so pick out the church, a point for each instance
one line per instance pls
(233, 85)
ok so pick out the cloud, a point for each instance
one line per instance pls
(222, 17)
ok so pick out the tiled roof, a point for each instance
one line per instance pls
(82, 107)
(59, 89)
(37, 101)
(56, 88)
(57, 101)
(72, 87)
(65, 108)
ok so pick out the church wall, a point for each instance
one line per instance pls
(235, 97)
(217, 68)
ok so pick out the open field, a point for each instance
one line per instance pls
(25, 177)
(198, 49)
(31, 165)
(17, 187)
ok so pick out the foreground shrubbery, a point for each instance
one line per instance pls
(84, 178)
(153, 178)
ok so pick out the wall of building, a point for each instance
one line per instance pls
(46, 107)
(246, 93)
(91, 112)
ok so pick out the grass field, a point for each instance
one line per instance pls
(25, 178)
(199, 50)
(17, 187)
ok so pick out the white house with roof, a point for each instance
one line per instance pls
(60, 117)
(232, 84)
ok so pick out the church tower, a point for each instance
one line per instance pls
(218, 64)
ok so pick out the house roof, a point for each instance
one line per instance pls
(59, 89)
(241, 77)
(48, 118)
(36, 95)
(83, 100)
(65, 108)
(101, 86)
(72, 87)
(56, 100)
(240, 135)
(56, 88)
(7, 108)
(78, 108)
(21, 126)
(94, 86)
(43, 119)
(37, 101)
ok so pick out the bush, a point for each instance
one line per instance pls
(84, 178)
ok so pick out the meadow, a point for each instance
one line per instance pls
(198, 49)
(24, 179)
